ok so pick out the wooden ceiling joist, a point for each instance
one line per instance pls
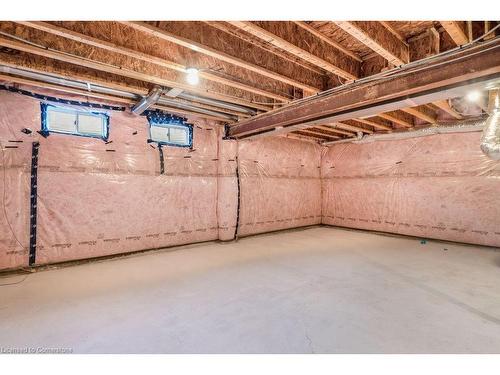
(373, 123)
(221, 55)
(444, 106)
(319, 134)
(456, 30)
(352, 128)
(396, 118)
(334, 129)
(118, 70)
(422, 113)
(113, 47)
(325, 39)
(111, 98)
(231, 30)
(281, 35)
(375, 36)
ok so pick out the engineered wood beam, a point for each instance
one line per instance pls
(375, 36)
(113, 47)
(456, 30)
(290, 37)
(439, 77)
(206, 49)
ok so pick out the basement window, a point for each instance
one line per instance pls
(71, 121)
(171, 131)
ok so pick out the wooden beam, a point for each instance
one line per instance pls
(302, 138)
(424, 45)
(118, 70)
(221, 55)
(334, 129)
(352, 128)
(112, 47)
(317, 133)
(373, 123)
(325, 39)
(393, 31)
(291, 38)
(422, 113)
(38, 64)
(396, 119)
(375, 36)
(108, 98)
(443, 105)
(234, 31)
(456, 29)
(67, 90)
(440, 77)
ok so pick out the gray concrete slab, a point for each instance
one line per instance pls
(318, 290)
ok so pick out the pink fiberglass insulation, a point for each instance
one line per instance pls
(97, 199)
(438, 186)
(280, 184)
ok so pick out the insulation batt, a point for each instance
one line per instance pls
(97, 199)
(439, 186)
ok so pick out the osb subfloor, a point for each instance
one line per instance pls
(318, 290)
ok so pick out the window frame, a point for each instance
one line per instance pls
(171, 124)
(46, 108)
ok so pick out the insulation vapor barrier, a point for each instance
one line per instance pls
(438, 186)
(96, 199)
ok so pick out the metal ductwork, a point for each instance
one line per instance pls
(490, 141)
(147, 101)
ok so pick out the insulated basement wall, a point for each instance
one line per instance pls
(97, 199)
(438, 186)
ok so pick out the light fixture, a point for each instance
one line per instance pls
(473, 96)
(192, 76)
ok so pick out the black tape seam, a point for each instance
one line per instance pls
(239, 202)
(33, 202)
(162, 160)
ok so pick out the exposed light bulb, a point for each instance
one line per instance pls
(473, 96)
(192, 76)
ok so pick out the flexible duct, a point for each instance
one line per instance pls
(490, 141)
(474, 125)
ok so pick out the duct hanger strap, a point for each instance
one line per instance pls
(33, 202)
(62, 101)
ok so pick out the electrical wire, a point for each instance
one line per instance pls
(16, 282)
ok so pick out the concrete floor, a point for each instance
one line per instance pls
(318, 290)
